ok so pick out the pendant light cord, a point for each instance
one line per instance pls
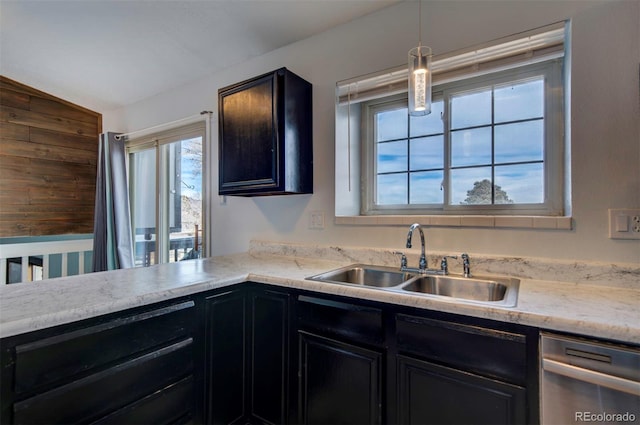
(419, 24)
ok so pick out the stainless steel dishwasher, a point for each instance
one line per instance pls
(585, 381)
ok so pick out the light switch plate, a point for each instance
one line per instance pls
(316, 220)
(624, 223)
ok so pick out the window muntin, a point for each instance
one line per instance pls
(490, 146)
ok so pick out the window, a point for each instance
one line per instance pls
(489, 146)
(492, 145)
(166, 187)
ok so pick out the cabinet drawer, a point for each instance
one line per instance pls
(102, 393)
(173, 404)
(338, 318)
(482, 350)
(69, 355)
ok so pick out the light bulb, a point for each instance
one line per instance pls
(420, 84)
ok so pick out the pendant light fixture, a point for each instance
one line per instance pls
(420, 74)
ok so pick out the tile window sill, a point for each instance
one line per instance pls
(498, 221)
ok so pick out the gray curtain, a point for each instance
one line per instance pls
(112, 241)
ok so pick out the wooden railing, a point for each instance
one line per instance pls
(35, 256)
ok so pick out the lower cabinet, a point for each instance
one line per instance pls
(247, 357)
(455, 370)
(135, 367)
(270, 356)
(340, 383)
(225, 362)
(255, 353)
(366, 363)
(340, 361)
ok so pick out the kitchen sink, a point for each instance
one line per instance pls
(488, 290)
(365, 275)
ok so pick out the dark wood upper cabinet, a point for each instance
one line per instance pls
(265, 136)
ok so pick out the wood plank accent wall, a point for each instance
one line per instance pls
(48, 156)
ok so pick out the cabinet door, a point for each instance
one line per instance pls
(432, 394)
(248, 142)
(270, 361)
(339, 383)
(225, 364)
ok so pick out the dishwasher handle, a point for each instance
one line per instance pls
(592, 377)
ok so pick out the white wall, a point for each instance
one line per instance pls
(605, 132)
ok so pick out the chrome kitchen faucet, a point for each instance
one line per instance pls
(422, 266)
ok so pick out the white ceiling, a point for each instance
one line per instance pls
(103, 54)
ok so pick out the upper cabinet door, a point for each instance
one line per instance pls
(265, 140)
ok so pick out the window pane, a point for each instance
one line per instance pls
(142, 172)
(519, 142)
(391, 125)
(428, 124)
(185, 205)
(426, 187)
(427, 153)
(471, 109)
(519, 101)
(523, 184)
(392, 189)
(392, 156)
(471, 186)
(471, 147)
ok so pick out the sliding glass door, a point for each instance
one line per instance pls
(166, 187)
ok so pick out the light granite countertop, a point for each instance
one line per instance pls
(593, 310)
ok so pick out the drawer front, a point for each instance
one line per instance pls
(337, 318)
(69, 355)
(477, 349)
(171, 405)
(102, 393)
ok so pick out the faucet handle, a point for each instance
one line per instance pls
(466, 267)
(444, 266)
(403, 259)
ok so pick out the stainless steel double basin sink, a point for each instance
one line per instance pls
(488, 290)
